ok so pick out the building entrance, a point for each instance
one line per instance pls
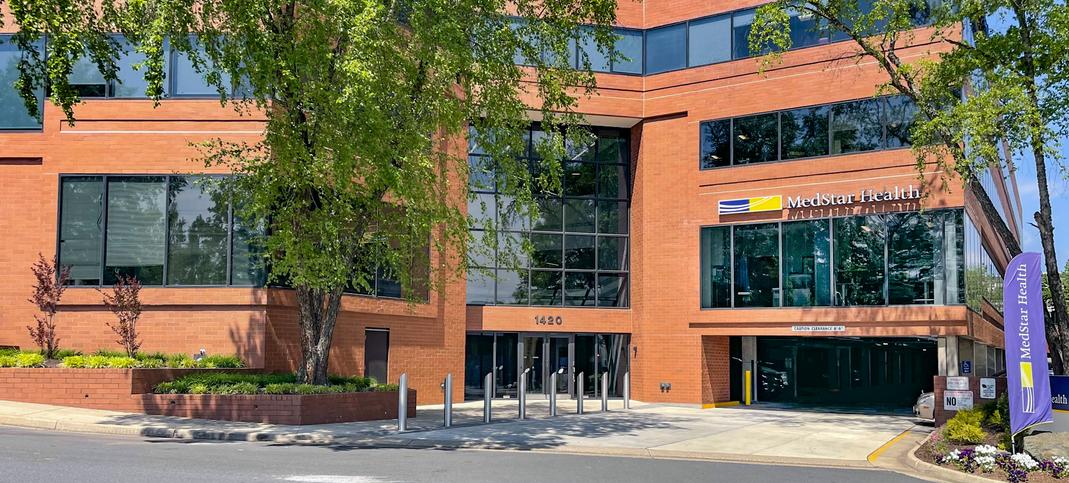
(508, 354)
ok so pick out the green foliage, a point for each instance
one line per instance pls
(997, 414)
(108, 353)
(60, 354)
(6, 351)
(21, 359)
(106, 358)
(241, 383)
(965, 427)
(219, 362)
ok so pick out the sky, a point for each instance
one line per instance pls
(1059, 202)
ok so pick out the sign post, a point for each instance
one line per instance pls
(1027, 374)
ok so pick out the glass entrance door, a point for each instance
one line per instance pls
(505, 370)
(534, 363)
(560, 362)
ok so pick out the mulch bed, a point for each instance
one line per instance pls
(928, 454)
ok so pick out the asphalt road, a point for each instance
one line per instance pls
(31, 456)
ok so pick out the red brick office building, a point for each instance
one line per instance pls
(725, 220)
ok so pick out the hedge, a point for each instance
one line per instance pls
(284, 383)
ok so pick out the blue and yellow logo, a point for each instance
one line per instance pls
(750, 205)
(1028, 389)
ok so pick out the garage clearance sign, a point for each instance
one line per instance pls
(1027, 373)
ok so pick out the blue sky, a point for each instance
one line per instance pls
(1059, 202)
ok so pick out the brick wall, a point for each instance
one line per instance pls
(279, 409)
(942, 415)
(716, 369)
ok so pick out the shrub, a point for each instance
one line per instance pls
(108, 353)
(387, 388)
(236, 383)
(152, 363)
(122, 362)
(65, 353)
(125, 302)
(7, 360)
(9, 351)
(29, 359)
(51, 282)
(182, 361)
(965, 427)
(97, 361)
(220, 362)
(75, 362)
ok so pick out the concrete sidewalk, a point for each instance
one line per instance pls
(661, 431)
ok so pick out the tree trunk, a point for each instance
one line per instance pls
(317, 313)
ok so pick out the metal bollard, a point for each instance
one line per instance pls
(604, 391)
(579, 393)
(402, 403)
(553, 394)
(627, 390)
(523, 395)
(488, 384)
(448, 387)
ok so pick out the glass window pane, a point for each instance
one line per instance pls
(481, 210)
(579, 179)
(480, 287)
(481, 173)
(512, 286)
(805, 132)
(81, 228)
(131, 82)
(136, 229)
(512, 216)
(859, 260)
(612, 181)
(898, 115)
(666, 48)
(756, 138)
(612, 149)
(187, 81)
(579, 216)
(599, 62)
(481, 251)
(387, 284)
(757, 265)
(579, 289)
(510, 252)
(716, 143)
(612, 217)
(710, 40)
(914, 259)
(86, 78)
(716, 267)
(807, 263)
(545, 288)
(741, 33)
(247, 264)
(629, 45)
(197, 223)
(547, 250)
(579, 252)
(550, 215)
(13, 114)
(612, 253)
(807, 31)
(612, 290)
(856, 126)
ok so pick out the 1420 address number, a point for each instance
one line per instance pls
(548, 320)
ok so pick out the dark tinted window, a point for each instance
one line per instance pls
(666, 48)
(599, 61)
(136, 228)
(197, 222)
(859, 260)
(807, 263)
(856, 126)
(805, 132)
(741, 33)
(898, 115)
(756, 138)
(757, 265)
(81, 226)
(715, 143)
(629, 45)
(13, 114)
(716, 267)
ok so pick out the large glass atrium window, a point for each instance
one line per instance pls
(757, 265)
(807, 263)
(579, 240)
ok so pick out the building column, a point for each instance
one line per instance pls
(948, 355)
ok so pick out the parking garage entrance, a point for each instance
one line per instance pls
(508, 354)
(878, 372)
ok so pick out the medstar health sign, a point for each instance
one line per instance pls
(1026, 344)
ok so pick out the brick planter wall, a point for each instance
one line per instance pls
(280, 409)
(87, 388)
(942, 415)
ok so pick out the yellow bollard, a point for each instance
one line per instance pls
(746, 387)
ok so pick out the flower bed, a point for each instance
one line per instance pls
(226, 383)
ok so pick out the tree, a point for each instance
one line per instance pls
(125, 302)
(1015, 76)
(358, 169)
(50, 282)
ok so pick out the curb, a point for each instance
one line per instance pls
(940, 472)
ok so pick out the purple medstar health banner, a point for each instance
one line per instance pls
(1026, 344)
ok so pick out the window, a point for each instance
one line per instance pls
(136, 228)
(197, 228)
(807, 263)
(805, 132)
(886, 259)
(740, 31)
(599, 61)
(86, 79)
(755, 138)
(716, 267)
(131, 82)
(164, 230)
(898, 115)
(757, 265)
(188, 81)
(710, 40)
(377, 354)
(666, 48)
(807, 31)
(716, 144)
(859, 260)
(81, 226)
(629, 45)
(856, 126)
(578, 240)
(13, 114)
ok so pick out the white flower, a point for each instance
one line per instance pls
(1024, 461)
(985, 462)
(986, 450)
(954, 455)
(1060, 460)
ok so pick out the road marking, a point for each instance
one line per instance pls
(334, 479)
(876, 454)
